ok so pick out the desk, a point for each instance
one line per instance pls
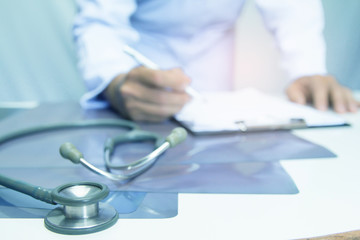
(328, 202)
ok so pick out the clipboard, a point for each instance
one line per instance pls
(243, 127)
(250, 110)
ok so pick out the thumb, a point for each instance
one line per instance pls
(173, 78)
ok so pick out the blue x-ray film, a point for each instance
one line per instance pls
(242, 177)
(243, 147)
(42, 149)
(235, 163)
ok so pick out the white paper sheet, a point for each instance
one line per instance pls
(248, 110)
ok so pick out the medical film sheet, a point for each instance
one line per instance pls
(237, 163)
(242, 178)
(244, 147)
(42, 149)
(239, 178)
(128, 204)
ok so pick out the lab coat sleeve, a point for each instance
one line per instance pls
(298, 28)
(101, 29)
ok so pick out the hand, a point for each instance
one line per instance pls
(322, 91)
(148, 95)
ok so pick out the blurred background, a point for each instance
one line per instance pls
(257, 52)
(38, 56)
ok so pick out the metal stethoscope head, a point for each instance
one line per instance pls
(81, 211)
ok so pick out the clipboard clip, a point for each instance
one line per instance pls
(293, 123)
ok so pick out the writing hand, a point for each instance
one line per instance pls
(149, 95)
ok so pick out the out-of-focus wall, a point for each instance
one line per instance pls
(342, 35)
(257, 58)
(37, 54)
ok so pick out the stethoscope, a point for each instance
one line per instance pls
(81, 210)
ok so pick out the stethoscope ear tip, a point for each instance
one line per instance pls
(70, 152)
(176, 136)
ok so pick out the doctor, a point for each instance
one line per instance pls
(193, 43)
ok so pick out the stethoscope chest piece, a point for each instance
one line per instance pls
(81, 212)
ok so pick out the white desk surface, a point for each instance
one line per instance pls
(328, 202)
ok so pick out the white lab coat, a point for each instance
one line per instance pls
(196, 35)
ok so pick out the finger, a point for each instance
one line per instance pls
(140, 116)
(351, 103)
(174, 78)
(150, 109)
(320, 94)
(296, 94)
(339, 98)
(154, 95)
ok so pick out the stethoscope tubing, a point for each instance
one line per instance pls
(67, 125)
(134, 168)
(36, 192)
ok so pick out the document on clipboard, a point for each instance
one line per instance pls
(250, 110)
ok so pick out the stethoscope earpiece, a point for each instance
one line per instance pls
(132, 169)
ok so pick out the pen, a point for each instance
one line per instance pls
(150, 64)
